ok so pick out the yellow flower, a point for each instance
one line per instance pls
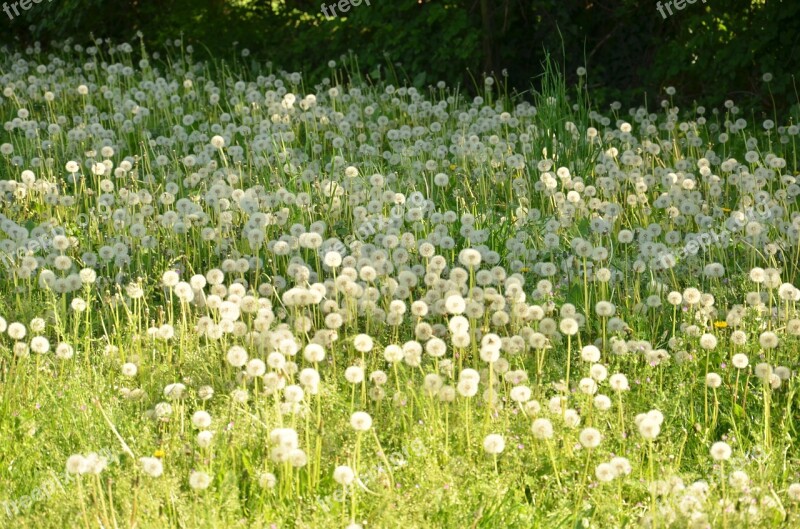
(453, 167)
(525, 270)
(720, 324)
(726, 210)
(159, 453)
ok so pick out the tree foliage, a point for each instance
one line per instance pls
(709, 51)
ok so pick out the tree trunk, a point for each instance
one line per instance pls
(488, 36)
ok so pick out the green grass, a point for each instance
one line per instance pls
(529, 189)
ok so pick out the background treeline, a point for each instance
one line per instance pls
(709, 51)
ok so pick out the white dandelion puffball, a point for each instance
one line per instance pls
(469, 257)
(793, 491)
(720, 451)
(542, 429)
(201, 419)
(76, 464)
(64, 351)
(602, 402)
(768, 340)
(332, 259)
(344, 475)
(740, 361)
(605, 309)
(362, 343)
(494, 444)
(590, 438)
(152, 466)
(618, 382)
(129, 369)
(199, 480)
(708, 341)
(40, 344)
(354, 374)
(713, 380)
(16, 331)
(590, 353)
(361, 421)
(237, 356)
(267, 480)
(204, 438)
(95, 463)
(605, 472)
(568, 326)
(520, 394)
(649, 428)
(314, 353)
(621, 465)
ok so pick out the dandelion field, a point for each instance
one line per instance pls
(229, 299)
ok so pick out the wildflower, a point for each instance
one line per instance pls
(267, 480)
(64, 351)
(768, 340)
(618, 382)
(363, 343)
(494, 444)
(542, 429)
(649, 425)
(469, 258)
(571, 418)
(76, 464)
(40, 344)
(713, 380)
(793, 491)
(520, 394)
(568, 326)
(763, 371)
(602, 402)
(605, 472)
(354, 374)
(738, 479)
(738, 337)
(598, 372)
(361, 421)
(739, 361)
(201, 419)
(16, 331)
(604, 309)
(622, 466)
(344, 475)
(587, 386)
(129, 369)
(204, 438)
(152, 466)
(590, 353)
(720, 451)
(467, 387)
(237, 356)
(590, 438)
(199, 480)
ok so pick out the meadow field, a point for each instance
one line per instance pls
(232, 299)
